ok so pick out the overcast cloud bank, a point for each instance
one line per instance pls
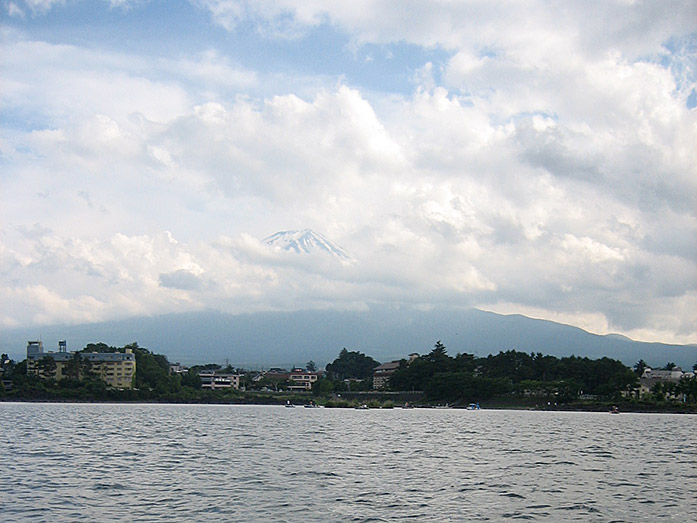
(535, 158)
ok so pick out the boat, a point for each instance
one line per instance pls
(311, 405)
(289, 405)
(473, 406)
(615, 410)
(362, 407)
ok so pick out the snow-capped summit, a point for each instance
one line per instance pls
(305, 241)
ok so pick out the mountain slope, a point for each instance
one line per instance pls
(292, 338)
(305, 241)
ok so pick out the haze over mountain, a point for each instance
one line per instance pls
(293, 338)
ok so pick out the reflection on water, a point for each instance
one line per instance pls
(67, 462)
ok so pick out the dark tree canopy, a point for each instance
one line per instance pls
(352, 364)
(442, 377)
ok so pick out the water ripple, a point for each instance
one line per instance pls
(251, 463)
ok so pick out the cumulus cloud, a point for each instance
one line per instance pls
(545, 167)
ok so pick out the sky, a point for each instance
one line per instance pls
(535, 157)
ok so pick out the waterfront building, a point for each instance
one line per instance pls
(302, 380)
(212, 380)
(177, 368)
(298, 380)
(652, 377)
(382, 373)
(116, 369)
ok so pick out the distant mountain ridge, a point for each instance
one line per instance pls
(305, 241)
(293, 338)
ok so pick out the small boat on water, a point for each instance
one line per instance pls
(615, 410)
(311, 405)
(289, 405)
(362, 407)
(473, 406)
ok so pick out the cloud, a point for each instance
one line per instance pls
(546, 166)
(181, 279)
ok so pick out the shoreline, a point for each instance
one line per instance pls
(300, 402)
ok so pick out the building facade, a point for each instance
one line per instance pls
(116, 369)
(382, 374)
(652, 377)
(302, 380)
(211, 380)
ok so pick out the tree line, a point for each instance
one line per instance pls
(466, 378)
(442, 378)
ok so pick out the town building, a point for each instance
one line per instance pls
(302, 380)
(177, 368)
(212, 380)
(382, 373)
(651, 377)
(116, 369)
(298, 380)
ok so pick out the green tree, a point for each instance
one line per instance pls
(152, 371)
(351, 364)
(100, 347)
(322, 387)
(417, 374)
(311, 366)
(688, 388)
(639, 367)
(191, 379)
(72, 367)
(46, 367)
(438, 359)
(274, 382)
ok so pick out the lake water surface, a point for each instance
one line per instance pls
(124, 462)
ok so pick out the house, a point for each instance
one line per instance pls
(116, 369)
(212, 380)
(651, 377)
(177, 368)
(302, 380)
(382, 373)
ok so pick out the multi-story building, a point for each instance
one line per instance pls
(297, 380)
(116, 369)
(211, 380)
(651, 377)
(383, 373)
(302, 379)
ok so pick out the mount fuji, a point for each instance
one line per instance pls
(305, 241)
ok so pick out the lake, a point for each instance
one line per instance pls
(143, 462)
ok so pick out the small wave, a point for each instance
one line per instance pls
(109, 486)
(580, 507)
(517, 515)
